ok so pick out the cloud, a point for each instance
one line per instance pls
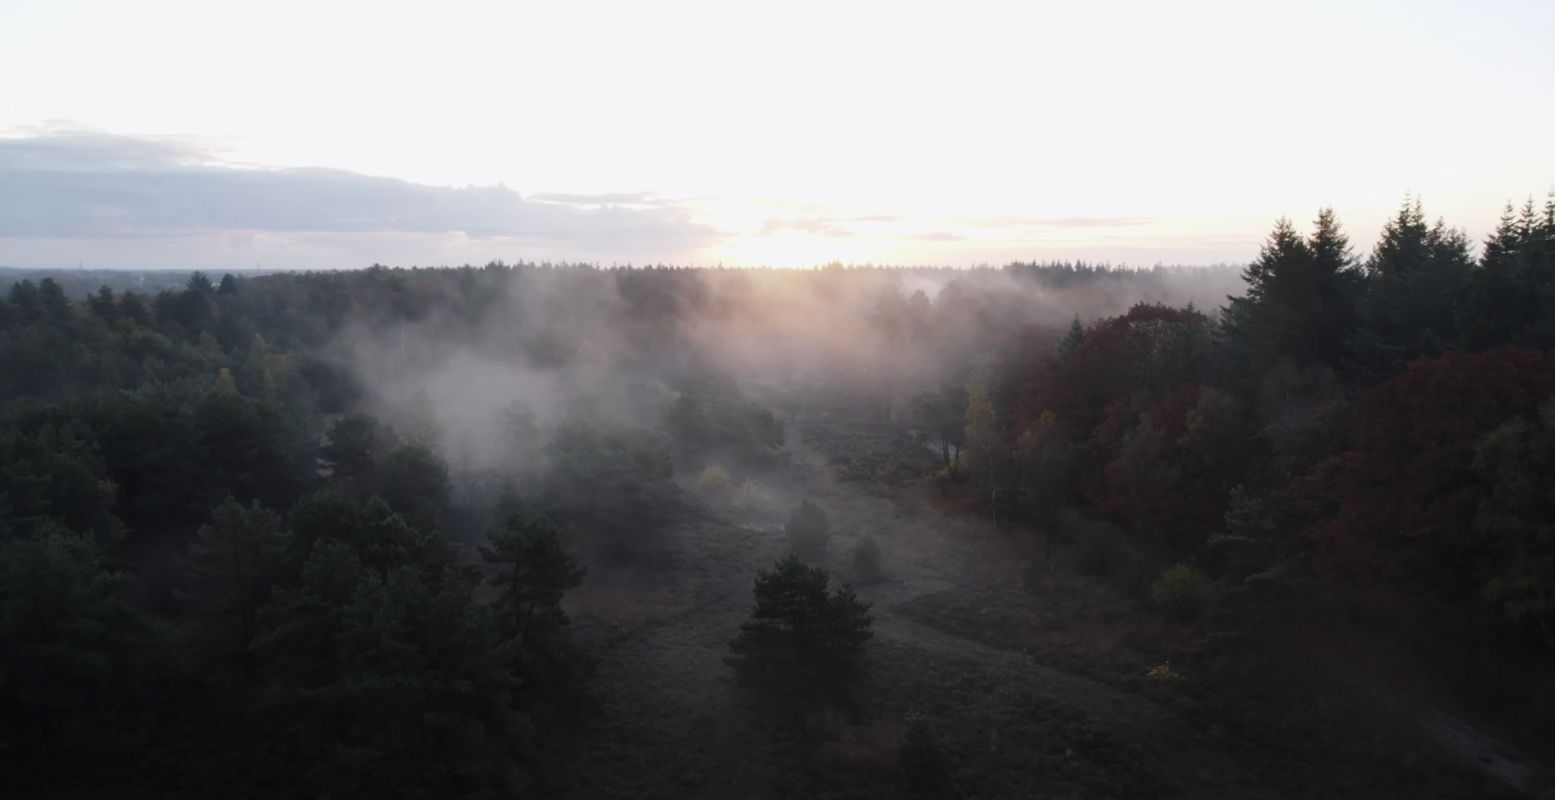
(606, 199)
(812, 225)
(84, 186)
(821, 226)
(938, 236)
(1061, 222)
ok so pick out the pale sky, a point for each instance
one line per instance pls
(338, 134)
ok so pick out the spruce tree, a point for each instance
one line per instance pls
(1071, 340)
(1413, 306)
(1300, 300)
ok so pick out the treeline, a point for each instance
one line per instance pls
(1379, 430)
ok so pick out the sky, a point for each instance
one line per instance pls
(318, 134)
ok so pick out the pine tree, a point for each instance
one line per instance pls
(801, 637)
(234, 559)
(534, 573)
(353, 449)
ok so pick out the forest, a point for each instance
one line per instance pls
(553, 530)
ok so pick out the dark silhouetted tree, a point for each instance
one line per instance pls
(801, 637)
(808, 530)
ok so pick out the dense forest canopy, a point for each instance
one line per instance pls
(315, 534)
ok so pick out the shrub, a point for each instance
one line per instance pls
(751, 494)
(1183, 592)
(1163, 674)
(808, 530)
(866, 559)
(714, 480)
(923, 759)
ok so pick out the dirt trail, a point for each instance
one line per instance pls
(670, 723)
(929, 552)
(1492, 756)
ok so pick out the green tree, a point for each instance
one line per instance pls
(414, 482)
(77, 662)
(1072, 339)
(534, 572)
(986, 445)
(234, 560)
(353, 448)
(1417, 280)
(1516, 462)
(1300, 301)
(382, 682)
(800, 636)
(613, 478)
(943, 415)
(371, 531)
(1258, 587)
(52, 473)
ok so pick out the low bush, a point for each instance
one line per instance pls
(714, 480)
(1182, 592)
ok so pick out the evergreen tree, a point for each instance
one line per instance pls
(77, 662)
(1257, 586)
(353, 448)
(1300, 300)
(384, 683)
(1500, 304)
(414, 481)
(801, 637)
(534, 573)
(234, 560)
(1072, 339)
(1417, 278)
(808, 530)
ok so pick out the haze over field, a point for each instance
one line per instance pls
(290, 135)
(687, 400)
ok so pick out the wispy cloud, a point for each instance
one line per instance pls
(836, 226)
(91, 185)
(1061, 222)
(605, 199)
